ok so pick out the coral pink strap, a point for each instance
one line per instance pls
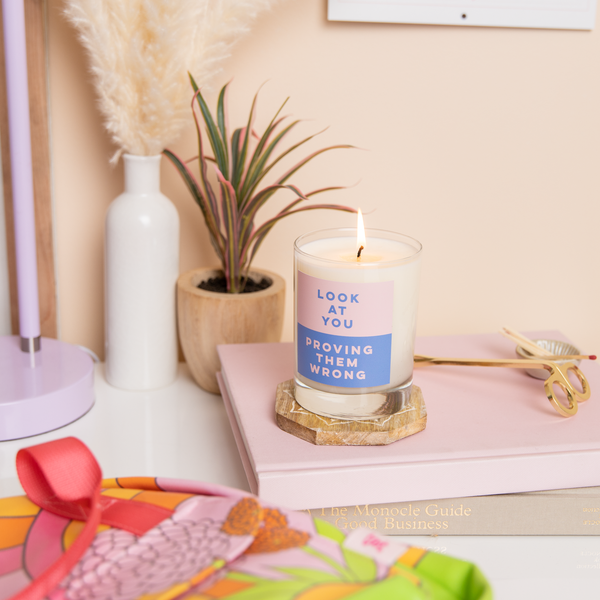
(64, 478)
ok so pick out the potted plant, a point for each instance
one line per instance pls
(214, 306)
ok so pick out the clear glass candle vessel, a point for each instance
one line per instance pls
(355, 322)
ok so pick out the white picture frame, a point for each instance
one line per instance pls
(544, 14)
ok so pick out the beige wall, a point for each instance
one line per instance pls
(482, 143)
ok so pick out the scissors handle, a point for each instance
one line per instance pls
(560, 377)
(558, 374)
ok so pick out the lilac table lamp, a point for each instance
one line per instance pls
(44, 383)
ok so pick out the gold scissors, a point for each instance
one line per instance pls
(559, 375)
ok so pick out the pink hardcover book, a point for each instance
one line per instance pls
(489, 431)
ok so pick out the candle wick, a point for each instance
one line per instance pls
(359, 251)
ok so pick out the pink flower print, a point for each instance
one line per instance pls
(120, 566)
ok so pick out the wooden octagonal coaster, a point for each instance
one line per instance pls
(326, 431)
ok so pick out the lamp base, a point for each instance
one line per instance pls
(44, 390)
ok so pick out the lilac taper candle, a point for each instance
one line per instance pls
(15, 51)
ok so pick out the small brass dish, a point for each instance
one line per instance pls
(555, 347)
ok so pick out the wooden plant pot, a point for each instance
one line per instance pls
(207, 319)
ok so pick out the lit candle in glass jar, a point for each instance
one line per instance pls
(356, 308)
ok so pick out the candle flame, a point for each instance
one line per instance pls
(360, 234)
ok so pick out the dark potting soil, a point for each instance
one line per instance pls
(219, 285)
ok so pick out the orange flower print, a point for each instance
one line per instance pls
(244, 518)
(274, 518)
(275, 534)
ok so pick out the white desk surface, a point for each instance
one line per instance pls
(182, 432)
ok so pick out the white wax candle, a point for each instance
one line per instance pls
(356, 318)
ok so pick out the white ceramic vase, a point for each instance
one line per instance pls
(141, 270)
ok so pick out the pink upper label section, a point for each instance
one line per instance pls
(348, 309)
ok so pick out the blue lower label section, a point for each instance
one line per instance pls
(344, 361)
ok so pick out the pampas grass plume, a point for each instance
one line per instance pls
(140, 53)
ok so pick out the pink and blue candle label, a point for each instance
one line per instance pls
(344, 331)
